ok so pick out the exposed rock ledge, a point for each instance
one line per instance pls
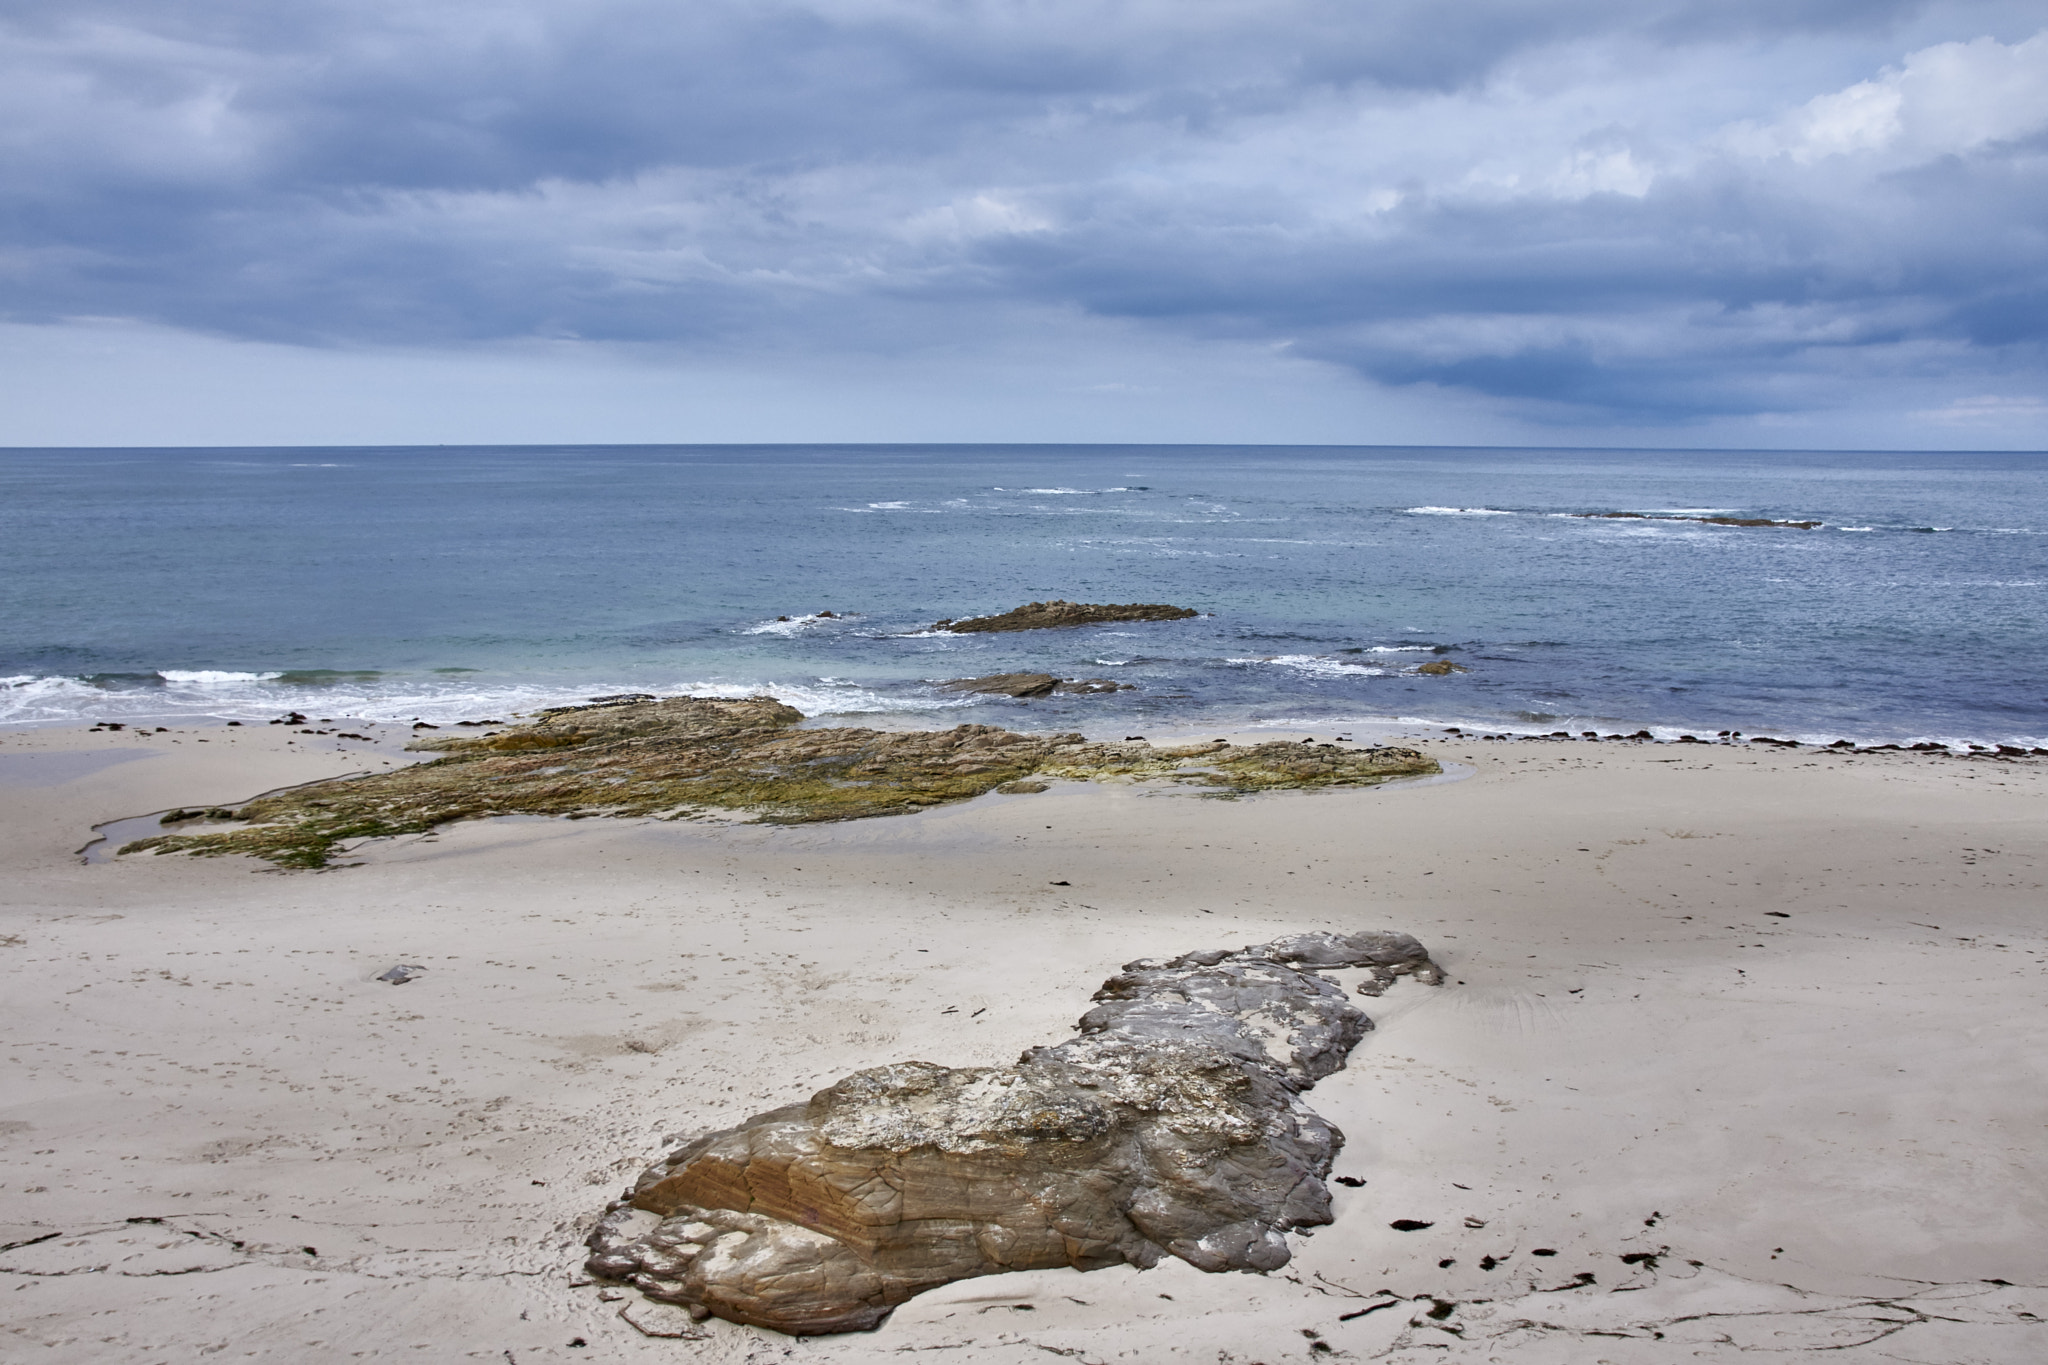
(1032, 685)
(1047, 615)
(685, 757)
(1172, 1126)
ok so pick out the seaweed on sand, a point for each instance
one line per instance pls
(690, 757)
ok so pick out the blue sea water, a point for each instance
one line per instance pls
(457, 582)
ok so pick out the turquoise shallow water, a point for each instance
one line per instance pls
(456, 582)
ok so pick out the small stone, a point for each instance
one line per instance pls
(662, 1320)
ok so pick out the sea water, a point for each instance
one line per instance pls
(453, 583)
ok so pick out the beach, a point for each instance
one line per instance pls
(1740, 1050)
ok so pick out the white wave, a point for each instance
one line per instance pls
(212, 675)
(1317, 666)
(887, 506)
(1063, 492)
(788, 625)
(826, 697)
(1458, 512)
(1855, 528)
(1402, 649)
(32, 700)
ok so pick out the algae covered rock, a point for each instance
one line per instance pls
(1173, 1125)
(1049, 615)
(689, 757)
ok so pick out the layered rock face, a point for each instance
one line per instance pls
(1173, 1125)
(1047, 615)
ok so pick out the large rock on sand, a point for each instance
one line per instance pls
(1047, 615)
(1172, 1125)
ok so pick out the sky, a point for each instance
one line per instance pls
(1682, 223)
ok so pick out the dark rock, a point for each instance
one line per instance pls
(1047, 615)
(1705, 521)
(1171, 1126)
(1005, 684)
(1441, 668)
(1024, 788)
(1094, 685)
(1409, 1225)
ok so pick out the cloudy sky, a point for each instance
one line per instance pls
(1776, 223)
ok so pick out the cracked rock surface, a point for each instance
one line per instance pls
(1173, 1125)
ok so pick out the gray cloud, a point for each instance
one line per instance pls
(1587, 210)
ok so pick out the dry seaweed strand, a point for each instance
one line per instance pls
(690, 757)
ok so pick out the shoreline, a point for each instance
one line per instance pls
(1707, 1001)
(816, 700)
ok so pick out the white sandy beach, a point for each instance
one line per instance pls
(1778, 1020)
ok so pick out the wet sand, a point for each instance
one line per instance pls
(1780, 1014)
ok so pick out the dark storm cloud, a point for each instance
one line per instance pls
(1634, 209)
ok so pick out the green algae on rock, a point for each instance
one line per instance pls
(691, 757)
(1050, 615)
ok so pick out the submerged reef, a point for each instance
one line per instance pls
(689, 757)
(1173, 1125)
(1048, 615)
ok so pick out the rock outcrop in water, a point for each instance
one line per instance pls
(1704, 521)
(686, 757)
(1032, 685)
(1173, 1125)
(1006, 684)
(1048, 615)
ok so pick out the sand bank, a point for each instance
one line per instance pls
(1779, 1014)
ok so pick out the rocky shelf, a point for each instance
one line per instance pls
(1171, 1126)
(687, 757)
(1048, 615)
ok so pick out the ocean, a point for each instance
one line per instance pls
(446, 583)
